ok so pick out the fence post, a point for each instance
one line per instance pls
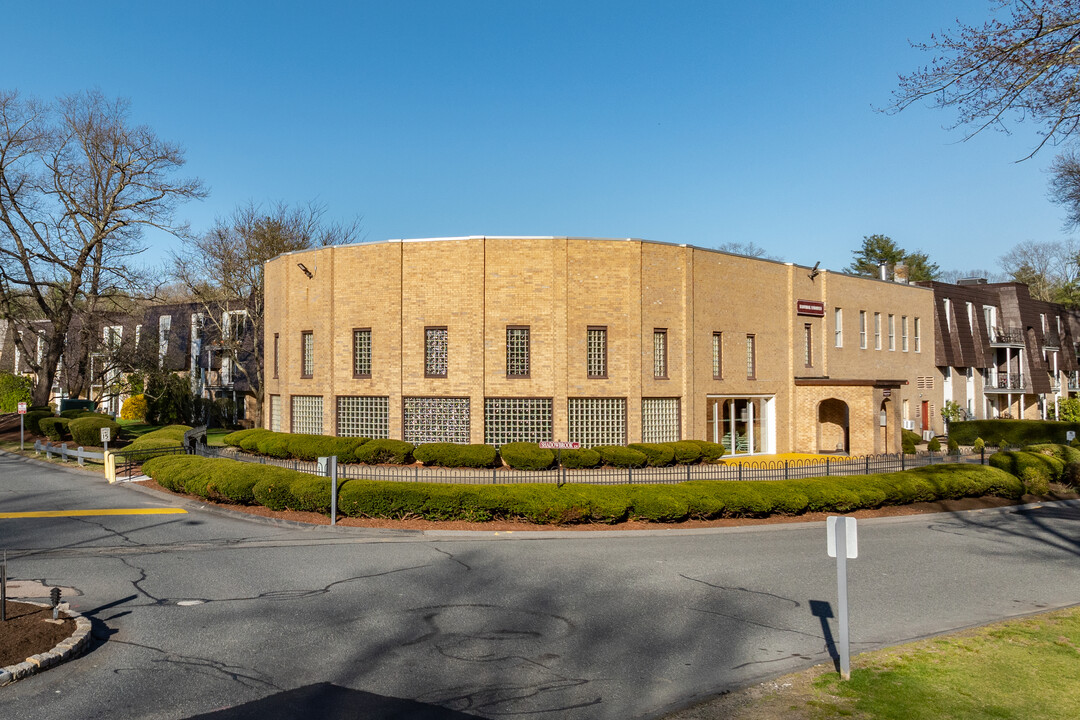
(688, 472)
(903, 460)
(867, 464)
(63, 452)
(740, 471)
(826, 466)
(982, 455)
(785, 470)
(629, 475)
(493, 480)
(48, 451)
(82, 460)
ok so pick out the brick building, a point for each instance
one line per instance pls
(497, 339)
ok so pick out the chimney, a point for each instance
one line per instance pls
(900, 273)
(883, 271)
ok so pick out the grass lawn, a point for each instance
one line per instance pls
(135, 428)
(1020, 669)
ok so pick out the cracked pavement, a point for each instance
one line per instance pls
(552, 625)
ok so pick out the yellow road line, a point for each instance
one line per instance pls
(84, 513)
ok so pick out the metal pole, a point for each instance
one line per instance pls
(333, 489)
(22, 424)
(841, 599)
(3, 589)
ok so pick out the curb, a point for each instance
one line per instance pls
(66, 649)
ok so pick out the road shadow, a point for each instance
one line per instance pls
(327, 701)
(822, 610)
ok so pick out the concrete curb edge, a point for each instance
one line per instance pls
(66, 649)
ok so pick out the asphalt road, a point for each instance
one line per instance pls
(279, 621)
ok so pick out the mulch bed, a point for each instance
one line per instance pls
(30, 630)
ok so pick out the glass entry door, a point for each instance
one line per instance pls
(741, 424)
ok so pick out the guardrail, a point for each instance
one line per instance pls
(62, 450)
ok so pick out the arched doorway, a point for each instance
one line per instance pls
(832, 426)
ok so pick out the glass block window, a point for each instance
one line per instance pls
(436, 341)
(596, 352)
(659, 345)
(517, 352)
(307, 354)
(275, 413)
(659, 420)
(717, 355)
(436, 420)
(307, 414)
(509, 420)
(361, 340)
(751, 359)
(597, 421)
(363, 417)
(808, 345)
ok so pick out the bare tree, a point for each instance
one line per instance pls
(223, 270)
(78, 185)
(1049, 269)
(748, 249)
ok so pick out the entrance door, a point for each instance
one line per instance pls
(925, 415)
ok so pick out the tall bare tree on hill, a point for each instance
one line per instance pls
(223, 269)
(78, 185)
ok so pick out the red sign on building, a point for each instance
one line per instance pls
(813, 308)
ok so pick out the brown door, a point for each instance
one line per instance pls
(925, 414)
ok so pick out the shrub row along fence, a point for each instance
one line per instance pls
(762, 470)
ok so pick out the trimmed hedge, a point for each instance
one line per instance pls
(86, 431)
(374, 452)
(686, 452)
(295, 445)
(581, 459)
(619, 456)
(453, 455)
(526, 456)
(33, 417)
(278, 489)
(1011, 432)
(54, 428)
(656, 454)
(164, 437)
(914, 438)
(710, 451)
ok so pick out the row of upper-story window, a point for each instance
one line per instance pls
(1051, 331)
(884, 329)
(519, 353)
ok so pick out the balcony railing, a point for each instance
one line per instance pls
(1005, 382)
(1007, 337)
(1051, 341)
(1074, 383)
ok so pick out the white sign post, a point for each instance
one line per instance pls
(328, 466)
(105, 437)
(842, 534)
(22, 425)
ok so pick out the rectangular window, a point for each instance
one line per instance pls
(508, 420)
(877, 331)
(307, 354)
(751, 360)
(808, 345)
(517, 351)
(164, 325)
(363, 417)
(275, 413)
(659, 420)
(361, 354)
(596, 351)
(918, 336)
(307, 414)
(718, 355)
(659, 346)
(838, 327)
(597, 421)
(276, 355)
(903, 333)
(428, 420)
(436, 352)
(892, 332)
(862, 329)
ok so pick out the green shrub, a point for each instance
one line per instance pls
(526, 456)
(954, 447)
(910, 436)
(453, 455)
(1012, 432)
(656, 455)
(86, 431)
(234, 439)
(274, 488)
(580, 459)
(134, 408)
(14, 389)
(686, 452)
(710, 451)
(1036, 480)
(33, 417)
(54, 428)
(978, 446)
(165, 437)
(73, 413)
(908, 448)
(619, 456)
(1015, 462)
(934, 445)
(395, 452)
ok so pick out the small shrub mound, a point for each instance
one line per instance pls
(581, 459)
(656, 455)
(73, 413)
(453, 455)
(33, 417)
(86, 431)
(686, 452)
(619, 456)
(395, 452)
(978, 446)
(934, 445)
(294, 445)
(954, 447)
(134, 408)
(55, 428)
(169, 436)
(910, 436)
(1023, 463)
(710, 451)
(526, 456)
(1012, 432)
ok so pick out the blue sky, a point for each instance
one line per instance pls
(685, 122)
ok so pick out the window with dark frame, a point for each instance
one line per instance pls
(517, 351)
(361, 352)
(596, 351)
(436, 352)
(808, 337)
(718, 355)
(276, 335)
(307, 354)
(751, 360)
(660, 353)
